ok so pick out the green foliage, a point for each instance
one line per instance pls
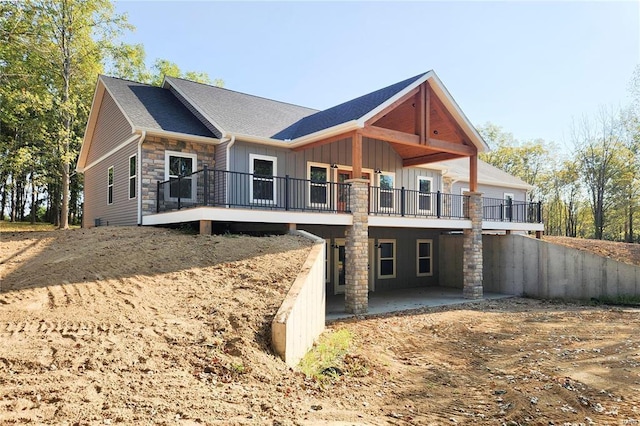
(531, 161)
(328, 352)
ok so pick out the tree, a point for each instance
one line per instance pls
(530, 161)
(62, 44)
(597, 145)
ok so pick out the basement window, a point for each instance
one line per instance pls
(386, 259)
(424, 258)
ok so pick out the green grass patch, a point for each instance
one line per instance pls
(328, 353)
(6, 226)
(623, 300)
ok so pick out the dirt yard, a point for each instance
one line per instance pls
(622, 252)
(143, 325)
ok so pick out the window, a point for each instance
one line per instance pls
(132, 177)
(425, 185)
(179, 164)
(318, 174)
(424, 258)
(263, 185)
(386, 258)
(386, 184)
(327, 253)
(508, 209)
(110, 185)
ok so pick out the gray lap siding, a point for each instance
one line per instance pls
(123, 211)
(112, 129)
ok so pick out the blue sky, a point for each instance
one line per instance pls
(530, 67)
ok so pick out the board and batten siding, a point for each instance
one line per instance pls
(123, 211)
(376, 155)
(111, 130)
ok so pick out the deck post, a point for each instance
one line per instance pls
(205, 227)
(356, 300)
(472, 252)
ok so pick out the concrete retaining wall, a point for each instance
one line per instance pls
(519, 265)
(301, 317)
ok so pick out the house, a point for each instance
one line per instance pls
(380, 177)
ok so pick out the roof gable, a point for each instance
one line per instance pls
(354, 109)
(153, 108)
(239, 113)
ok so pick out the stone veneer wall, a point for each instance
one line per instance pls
(152, 164)
(472, 250)
(357, 249)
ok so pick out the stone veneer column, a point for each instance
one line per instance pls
(356, 300)
(472, 254)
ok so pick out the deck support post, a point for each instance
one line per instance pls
(356, 300)
(472, 252)
(205, 227)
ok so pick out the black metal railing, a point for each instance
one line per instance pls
(508, 210)
(411, 203)
(222, 188)
(245, 190)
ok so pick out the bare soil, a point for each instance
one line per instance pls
(622, 252)
(151, 326)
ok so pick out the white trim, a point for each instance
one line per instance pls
(418, 258)
(177, 135)
(371, 259)
(113, 151)
(415, 222)
(419, 194)
(193, 178)
(324, 134)
(139, 164)
(337, 288)
(380, 258)
(274, 160)
(135, 176)
(392, 191)
(327, 168)
(111, 178)
(327, 260)
(488, 225)
(247, 215)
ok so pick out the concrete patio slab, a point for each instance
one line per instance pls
(384, 302)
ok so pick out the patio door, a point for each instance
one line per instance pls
(343, 191)
(340, 265)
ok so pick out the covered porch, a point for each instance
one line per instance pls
(423, 125)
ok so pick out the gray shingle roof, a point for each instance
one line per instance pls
(487, 173)
(154, 108)
(240, 113)
(350, 110)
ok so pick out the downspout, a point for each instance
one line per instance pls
(229, 145)
(139, 174)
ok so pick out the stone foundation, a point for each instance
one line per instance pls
(356, 298)
(472, 251)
